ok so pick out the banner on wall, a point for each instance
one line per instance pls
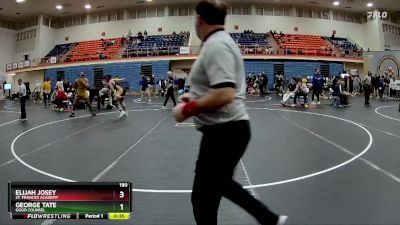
(382, 63)
(53, 60)
(21, 65)
(184, 51)
(15, 66)
(27, 63)
(9, 66)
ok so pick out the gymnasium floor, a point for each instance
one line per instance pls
(319, 165)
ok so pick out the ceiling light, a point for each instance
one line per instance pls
(59, 7)
(336, 3)
(370, 4)
(149, 0)
(19, 1)
(88, 6)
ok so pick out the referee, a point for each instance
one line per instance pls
(22, 100)
(216, 102)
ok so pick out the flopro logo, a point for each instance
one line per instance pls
(377, 15)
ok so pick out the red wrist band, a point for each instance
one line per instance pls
(190, 109)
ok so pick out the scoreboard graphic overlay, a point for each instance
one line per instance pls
(80, 200)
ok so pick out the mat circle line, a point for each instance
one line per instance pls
(366, 149)
(383, 115)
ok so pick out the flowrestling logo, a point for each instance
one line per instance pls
(377, 15)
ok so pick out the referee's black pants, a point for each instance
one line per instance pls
(221, 148)
(170, 94)
(23, 109)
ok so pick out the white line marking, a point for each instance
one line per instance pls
(260, 100)
(106, 170)
(46, 124)
(252, 190)
(252, 186)
(137, 100)
(9, 112)
(345, 150)
(4, 124)
(51, 143)
(385, 132)
(389, 106)
(185, 125)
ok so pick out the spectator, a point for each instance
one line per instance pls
(144, 87)
(356, 84)
(301, 90)
(339, 91)
(367, 86)
(145, 35)
(392, 87)
(61, 96)
(46, 90)
(398, 88)
(381, 87)
(317, 85)
(59, 84)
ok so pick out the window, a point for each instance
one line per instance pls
(94, 18)
(120, 15)
(132, 14)
(341, 17)
(77, 21)
(141, 13)
(175, 12)
(246, 10)
(299, 12)
(335, 16)
(307, 13)
(103, 17)
(193, 11)
(183, 11)
(278, 11)
(45, 22)
(68, 22)
(316, 14)
(325, 14)
(83, 20)
(160, 12)
(268, 10)
(349, 18)
(236, 10)
(259, 10)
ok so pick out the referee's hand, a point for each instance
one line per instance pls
(178, 113)
(185, 98)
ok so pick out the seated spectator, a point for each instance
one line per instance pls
(59, 99)
(301, 90)
(338, 90)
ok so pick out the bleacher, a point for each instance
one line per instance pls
(60, 50)
(154, 45)
(345, 47)
(303, 44)
(95, 50)
(250, 39)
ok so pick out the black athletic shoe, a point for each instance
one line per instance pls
(94, 114)
(72, 116)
